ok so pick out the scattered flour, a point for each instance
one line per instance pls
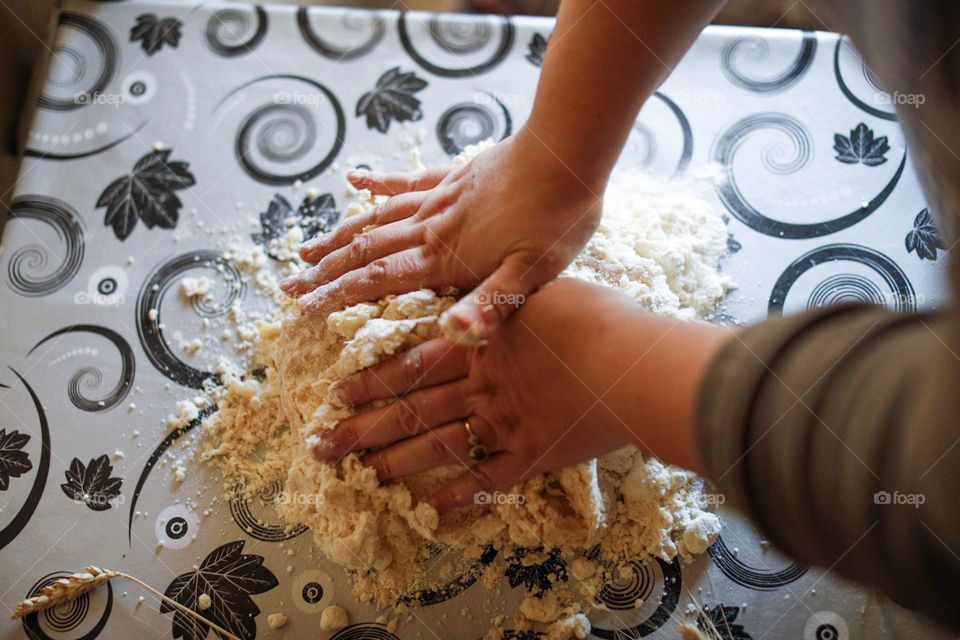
(658, 242)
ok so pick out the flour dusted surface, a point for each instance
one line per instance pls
(659, 243)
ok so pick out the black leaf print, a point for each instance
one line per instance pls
(537, 577)
(147, 193)
(153, 32)
(924, 237)
(392, 99)
(861, 146)
(718, 624)
(537, 48)
(92, 484)
(229, 578)
(314, 215)
(13, 462)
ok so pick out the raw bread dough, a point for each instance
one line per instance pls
(659, 244)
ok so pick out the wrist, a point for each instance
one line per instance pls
(563, 160)
(657, 398)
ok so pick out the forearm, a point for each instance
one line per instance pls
(603, 61)
(645, 371)
(803, 420)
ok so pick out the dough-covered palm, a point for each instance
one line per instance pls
(528, 396)
(507, 222)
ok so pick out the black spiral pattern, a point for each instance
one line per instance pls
(231, 33)
(849, 94)
(458, 35)
(28, 259)
(686, 154)
(351, 21)
(151, 295)
(757, 48)
(106, 46)
(155, 456)
(622, 595)
(460, 44)
(751, 577)
(33, 152)
(469, 123)
(285, 133)
(799, 153)
(91, 377)
(67, 616)
(846, 287)
(29, 506)
(288, 132)
(364, 631)
(669, 587)
(255, 525)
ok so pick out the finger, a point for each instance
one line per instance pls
(426, 365)
(472, 319)
(405, 418)
(444, 445)
(362, 250)
(392, 210)
(390, 184)
(401, 272)
(499, 472)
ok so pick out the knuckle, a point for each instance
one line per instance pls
(312, 276)
(411, 367)
(364, 384)
(381, 463)
(433, 243)
(438, 449)
(377, 270)
(407, 417)
(380, 213)
(359, 249)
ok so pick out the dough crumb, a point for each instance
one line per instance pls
(194, 287)
(333, 618)
(659, 242)
(276, 620)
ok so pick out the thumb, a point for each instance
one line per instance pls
(475, 316)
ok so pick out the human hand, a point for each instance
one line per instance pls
(510, 220)
(533, 397)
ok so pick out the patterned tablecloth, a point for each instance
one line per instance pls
(163, 131)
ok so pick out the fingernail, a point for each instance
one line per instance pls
(324, 450)
(288, 283)
(355, 175)
(462, 331)
(340, 393)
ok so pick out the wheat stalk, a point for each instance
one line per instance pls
(69, 587)
(689, 631)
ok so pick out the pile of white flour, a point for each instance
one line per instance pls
(660, 243)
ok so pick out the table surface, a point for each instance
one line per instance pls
(244, 101)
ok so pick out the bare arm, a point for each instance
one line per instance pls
(516, 216)
(603, 61)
